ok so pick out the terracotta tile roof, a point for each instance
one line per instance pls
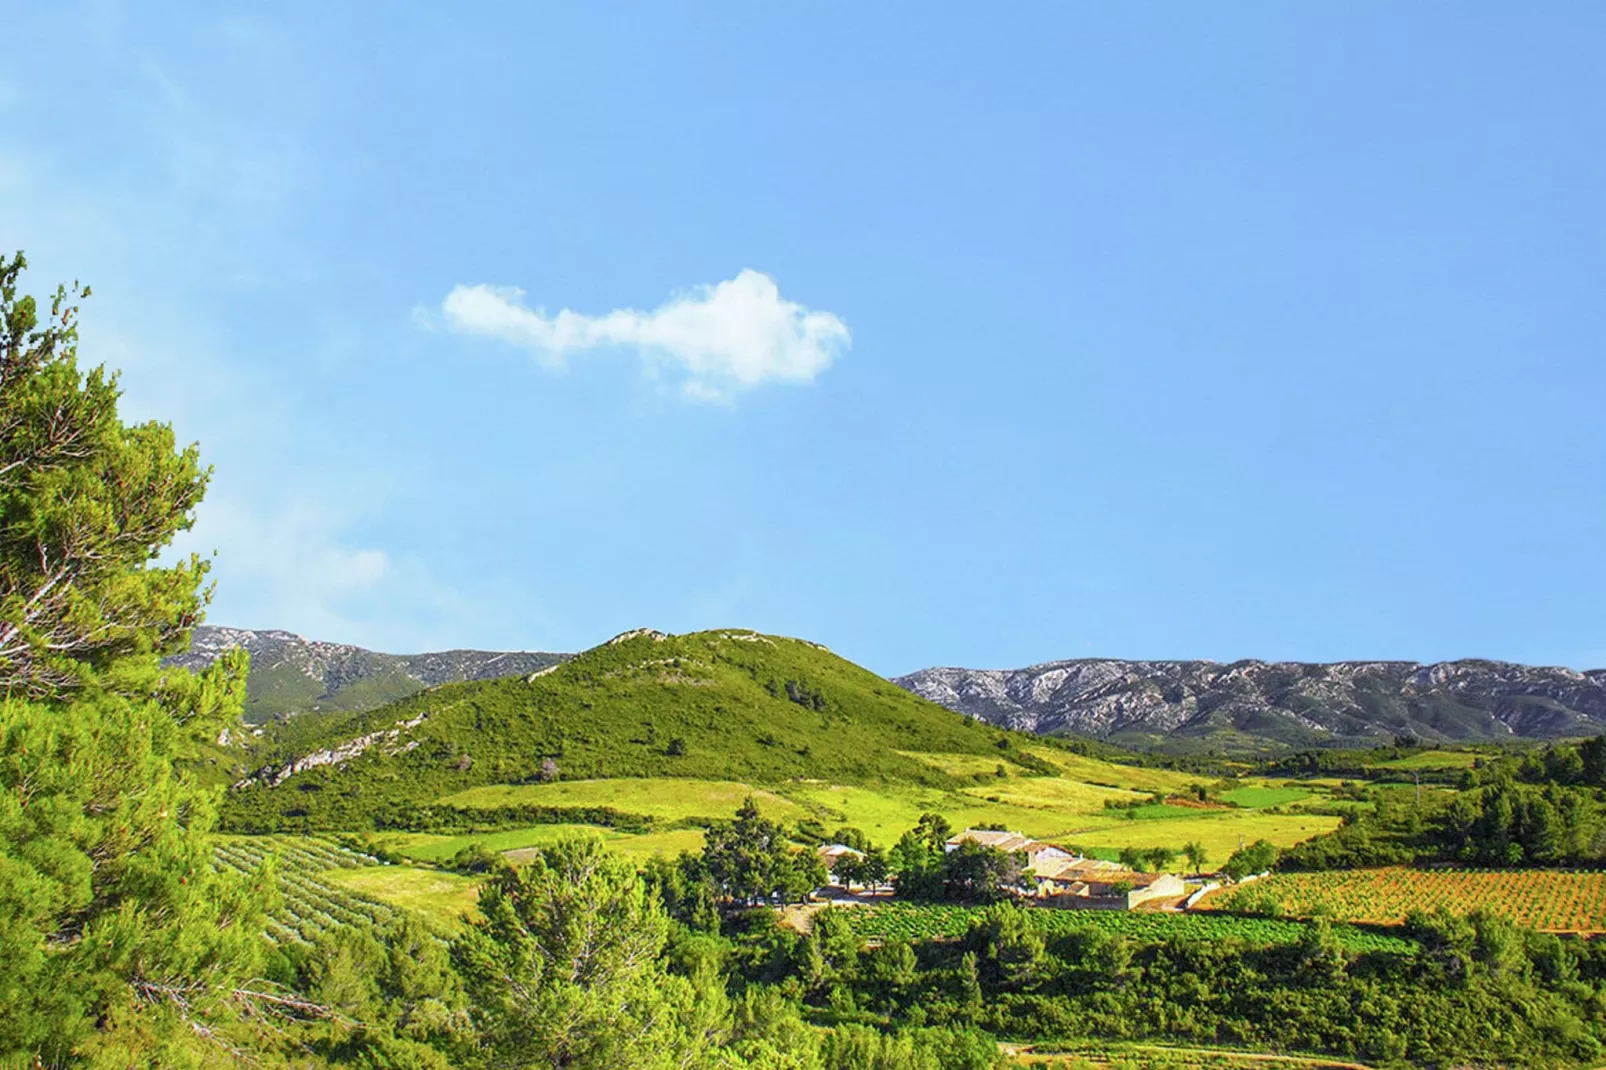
(833, 851)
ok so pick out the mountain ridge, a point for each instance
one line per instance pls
(1247, 704)
(291, 674)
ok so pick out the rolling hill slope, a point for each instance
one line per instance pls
(722, 705)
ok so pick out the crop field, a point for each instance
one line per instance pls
(1261, 797)
(429, 847)
(1433, 759)
(664, 798)
(1059, 793)
(1115, 775)
(1219, 832)
(909, 921)
(1555, 900)
(310, 900)
(885, 814)
(444, 898)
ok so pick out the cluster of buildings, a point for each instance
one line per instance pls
(1060, 877)
(1068, 879)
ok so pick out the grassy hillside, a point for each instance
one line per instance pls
(720, 705)
(649, 737)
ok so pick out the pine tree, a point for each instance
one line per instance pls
(119, 943)
(565, 968)
(86, 503)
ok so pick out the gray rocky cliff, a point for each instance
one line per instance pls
(1186, 703)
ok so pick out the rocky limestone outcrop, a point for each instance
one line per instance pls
(1280, 702)
(387, 739)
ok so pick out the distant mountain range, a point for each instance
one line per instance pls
(1197, 705)
(1167, 705)
(290, 674)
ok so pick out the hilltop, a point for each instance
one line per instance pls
(1181, 705)
(727, 705)
(292, 675)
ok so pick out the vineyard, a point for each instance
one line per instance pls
(1556, 900)
(934, 921)
(309, 904)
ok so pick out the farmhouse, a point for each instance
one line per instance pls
(1037, 853)
(1066, 879)
(1095, 882)
(832, 853)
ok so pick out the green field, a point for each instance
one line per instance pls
(430, 847)
(1055, 793)
(444, 898)
(664, 798)
(965, 765)
(1061, 811)
(885, 814)
(1433, 759)
(1262, 797)
(1114, 774)
(1220, 833)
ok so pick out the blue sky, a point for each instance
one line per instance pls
(941, 334)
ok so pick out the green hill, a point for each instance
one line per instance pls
(727, 705)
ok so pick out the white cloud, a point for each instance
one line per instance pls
(724, 338)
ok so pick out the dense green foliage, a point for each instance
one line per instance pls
(115, 930)
(750, 860)
(1534, 808)
(119, 942)
(577, 965)
(1442, 991)
(924, 869)
(1258, 857)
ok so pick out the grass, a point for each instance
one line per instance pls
(1056, 793)
(427, 847)
(886, 813)
(1433, 759)
(666, 799)
(1259, 798)
(444, 898)
(1219, 832)
(639, 848)
(1115, 775)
